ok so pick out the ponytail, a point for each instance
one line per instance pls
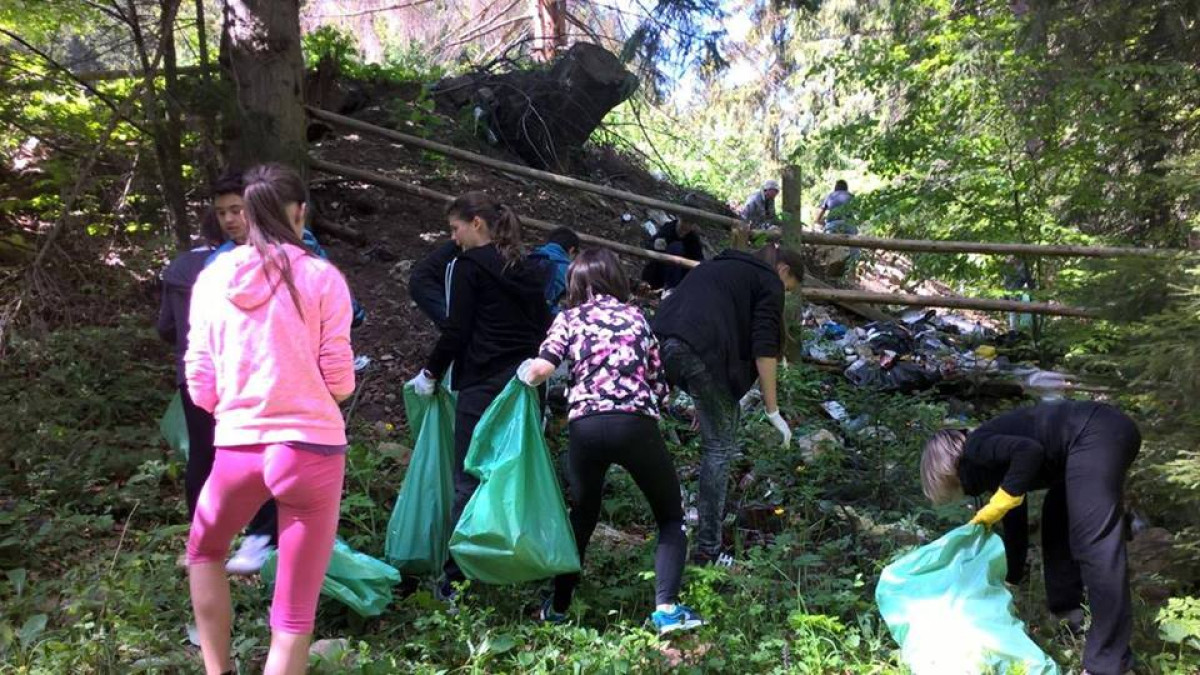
(503, 223)
(269, 188)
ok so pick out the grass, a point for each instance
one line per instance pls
(92, 523)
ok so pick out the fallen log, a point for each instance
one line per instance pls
(809, 238)
(840, 295)
(848, 299)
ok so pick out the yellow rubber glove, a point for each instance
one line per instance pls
(1000, 504)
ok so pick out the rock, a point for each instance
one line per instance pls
(334, 651)
(817, 443)
(401, 269)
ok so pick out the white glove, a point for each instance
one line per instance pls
(423, 383)
(525, 374)
(781, 426)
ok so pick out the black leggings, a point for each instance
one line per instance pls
(201, 426)
(633, 442)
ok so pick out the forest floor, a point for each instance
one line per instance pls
(92, 519)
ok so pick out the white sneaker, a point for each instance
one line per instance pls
(250, 557)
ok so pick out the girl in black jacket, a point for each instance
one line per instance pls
(1080, 453)
(720, 330)
(497, 317)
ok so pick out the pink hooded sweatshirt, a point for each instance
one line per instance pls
(267, 372)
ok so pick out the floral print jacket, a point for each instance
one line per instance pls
(615, 366)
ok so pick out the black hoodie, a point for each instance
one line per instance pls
(497, 317)
(178, 279)
(730, 312)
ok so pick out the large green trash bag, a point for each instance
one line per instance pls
(354, 579)
(418, 534)
(515, 527)
(946, 605)
(173, 426)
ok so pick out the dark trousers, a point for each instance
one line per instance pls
(201, 426)
(471, 403)
(634, 443)
(718, 412)
(1083, 538)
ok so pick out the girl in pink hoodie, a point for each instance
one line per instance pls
(269, 355)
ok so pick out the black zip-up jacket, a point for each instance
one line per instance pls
(177, 282)
(427, 282)
(730, 312)
(497, 317)
(1022, 450)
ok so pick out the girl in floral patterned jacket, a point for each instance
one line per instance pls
(616, 389)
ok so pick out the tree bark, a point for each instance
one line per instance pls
(210, 158)
(267, 67)
(549, 28)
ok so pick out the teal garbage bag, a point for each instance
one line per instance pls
(947, 607)
(173, 426)
(354, 579)
(418, 534)
(515, 528)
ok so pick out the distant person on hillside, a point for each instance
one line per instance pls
(679, 238)
(1080, 452)
(720, 330)
(616, 390)
(269, 356)
(759, 210)
(555, 257)
(834, 213)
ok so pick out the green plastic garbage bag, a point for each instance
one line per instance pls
(419, 532)
(947, 607)
(173, 426)
(354, 579)
(515, 527)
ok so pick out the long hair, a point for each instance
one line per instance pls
(501, 220)
(210, 227)
(596, 271)
(269, 188)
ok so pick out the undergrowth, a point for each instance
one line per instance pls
(92, 517)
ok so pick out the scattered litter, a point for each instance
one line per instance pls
(817, 443)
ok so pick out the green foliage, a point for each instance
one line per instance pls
(402, 63)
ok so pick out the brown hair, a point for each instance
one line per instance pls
(596, 271)
(939, 465)
(269, 188)
(501, 220)
(774, 254)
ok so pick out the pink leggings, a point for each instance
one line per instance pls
(307, 486)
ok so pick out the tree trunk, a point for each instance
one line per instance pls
(166, 134)
(210, 158)
(549, 28)
(263, 38)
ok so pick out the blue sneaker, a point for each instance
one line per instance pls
(683, 618)
(549, 615)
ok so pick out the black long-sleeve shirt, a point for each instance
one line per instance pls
(427, 282)
(497, 317)
(1022, 450)
(730, 312)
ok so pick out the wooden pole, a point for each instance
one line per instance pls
(544, 225)
(934, 246)
(810, 238)
(793, 232)
(840, 295)
(815, 290)
(509, 167)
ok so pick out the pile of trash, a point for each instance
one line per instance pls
(917, 351)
